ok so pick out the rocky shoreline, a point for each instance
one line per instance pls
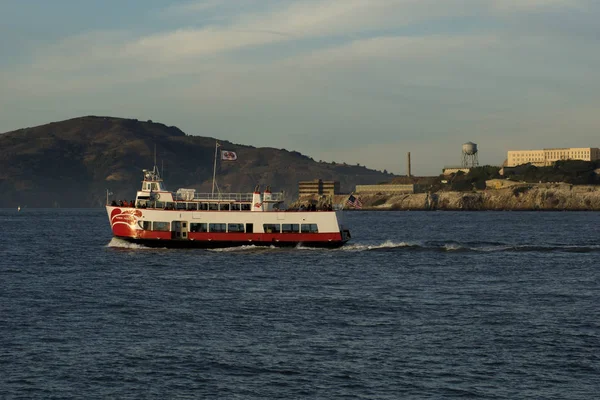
(519, 197)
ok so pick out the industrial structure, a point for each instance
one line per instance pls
(388, 189)
(469, 155)
(547, 157)
(470, 159)
(318, 186)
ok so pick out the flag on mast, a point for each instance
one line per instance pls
(228, 155)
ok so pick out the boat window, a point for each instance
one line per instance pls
(159, 204)
(146, 225)
(235, 207)
(290, 228)
(181, 206)
(213, 206)
(192, 206)
(169, 206)
(310, 228)
(154, 186)
(245, 207)
(225, 206)
(203, 206)
(235, 228)
(198, 227)
(160, 226)
(271, 228)
(217, 227)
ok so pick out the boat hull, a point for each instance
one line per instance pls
(205, 244)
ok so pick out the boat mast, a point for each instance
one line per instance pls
(215, 168)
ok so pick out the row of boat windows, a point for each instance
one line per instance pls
(290, 228)
(228, 228)
(183, 206)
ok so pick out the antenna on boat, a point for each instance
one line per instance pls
(215, 168)
(108, 193)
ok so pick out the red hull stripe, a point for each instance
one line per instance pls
(123, 230)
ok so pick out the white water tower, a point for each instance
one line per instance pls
(469, 153)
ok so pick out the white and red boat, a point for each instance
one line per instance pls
(160, 218)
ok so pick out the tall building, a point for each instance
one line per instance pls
(317, 186)
(547, 157)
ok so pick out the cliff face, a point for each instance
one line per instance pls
(72, 163)
(528, 197)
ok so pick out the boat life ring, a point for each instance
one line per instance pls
(257, 205)
(157, 196)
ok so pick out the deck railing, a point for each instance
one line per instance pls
(240, 197)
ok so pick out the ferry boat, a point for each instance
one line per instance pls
(160, 218)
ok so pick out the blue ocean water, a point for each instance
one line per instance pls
(486, 305)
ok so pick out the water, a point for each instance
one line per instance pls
(419, 305)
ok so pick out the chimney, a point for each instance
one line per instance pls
(257, 200)
(408, 164)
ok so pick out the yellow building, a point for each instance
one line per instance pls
(318, 186)
(547, 157)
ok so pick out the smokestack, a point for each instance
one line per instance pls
(408, 164)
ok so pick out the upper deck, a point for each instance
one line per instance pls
(221, 197)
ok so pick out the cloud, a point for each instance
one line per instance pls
(337, 76)
(184, 9)
(177, 51)
(528, 5)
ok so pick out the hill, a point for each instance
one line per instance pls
(72, 163)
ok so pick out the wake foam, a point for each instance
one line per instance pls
(393, 246)
(454, 247)
(250, 248)
(387, 245)
(124, 244)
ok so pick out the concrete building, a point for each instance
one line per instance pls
(387, 189)
(317, 186)
(547, 157)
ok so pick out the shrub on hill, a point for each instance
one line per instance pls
(475, 179)
(575, 172)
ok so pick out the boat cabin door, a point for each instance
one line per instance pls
(179, 230)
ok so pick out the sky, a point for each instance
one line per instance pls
(356, 81)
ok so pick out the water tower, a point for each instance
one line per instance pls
(469, 153)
